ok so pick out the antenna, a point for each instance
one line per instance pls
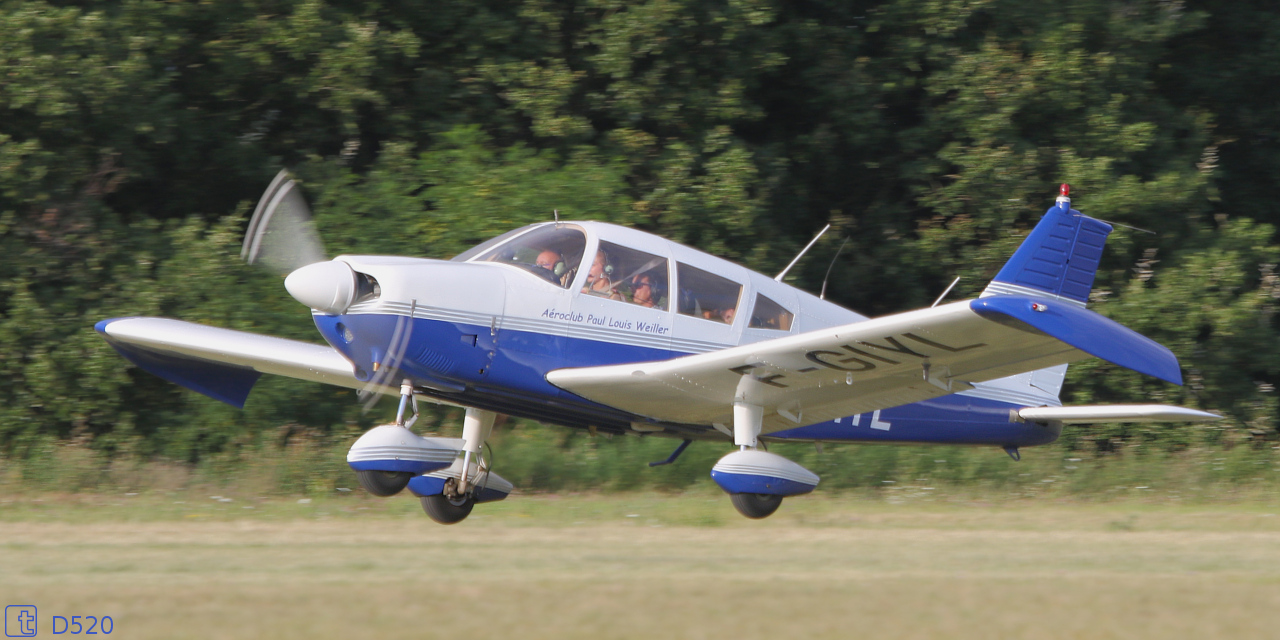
(801, 255)
(556, 213)
(944, 293)
(823, 295)
(1121, 224)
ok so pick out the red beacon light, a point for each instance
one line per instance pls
(1064, 196)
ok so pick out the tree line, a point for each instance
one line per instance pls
(135, 136)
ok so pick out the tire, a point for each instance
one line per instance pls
(383, 483)
(445, 511)
(755, 505)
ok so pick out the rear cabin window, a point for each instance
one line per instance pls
(768, 314)
(619, 273)
(706, 295)
(552, 253)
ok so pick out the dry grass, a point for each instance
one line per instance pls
(636, 566)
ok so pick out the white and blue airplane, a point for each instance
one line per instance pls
(601, 327)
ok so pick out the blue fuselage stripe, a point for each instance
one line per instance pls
(505, 370)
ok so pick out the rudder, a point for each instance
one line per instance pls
(1058, 259)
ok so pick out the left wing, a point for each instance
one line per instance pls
(222, 363)
(874, 364)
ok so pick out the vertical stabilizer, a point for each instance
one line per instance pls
(1059, 258)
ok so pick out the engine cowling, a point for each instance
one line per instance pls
(764, 473)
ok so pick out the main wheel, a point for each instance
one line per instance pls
(383, 483)
(446, 510)
(755, 505)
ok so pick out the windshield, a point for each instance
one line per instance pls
(489, 244)
(551, 252)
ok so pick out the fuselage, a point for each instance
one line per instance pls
(483, 330)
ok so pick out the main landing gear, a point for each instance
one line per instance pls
(457, 495)
(448, 475)
(756, 480)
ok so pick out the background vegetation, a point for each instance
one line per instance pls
(134, 136)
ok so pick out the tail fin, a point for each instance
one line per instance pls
(1059, 258)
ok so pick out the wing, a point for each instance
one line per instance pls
(221, 363)
(870, 365)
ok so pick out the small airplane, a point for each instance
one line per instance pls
(601, 327)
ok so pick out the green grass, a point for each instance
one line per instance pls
(637, 565)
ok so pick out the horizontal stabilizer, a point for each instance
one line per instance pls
(1116, 413)
(1085, 330)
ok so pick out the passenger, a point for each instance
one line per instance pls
(646, 293)
(720, 315)
(598, 281)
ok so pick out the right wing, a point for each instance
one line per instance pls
(222, 363)
(874, 364)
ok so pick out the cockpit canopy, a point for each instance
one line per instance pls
(634, 268)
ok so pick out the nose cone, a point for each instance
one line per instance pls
(328, 287)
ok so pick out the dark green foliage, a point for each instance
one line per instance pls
(134, 136)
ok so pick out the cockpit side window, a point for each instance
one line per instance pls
(706, 295)
(619, 273)
(552, 253)
(768, 314)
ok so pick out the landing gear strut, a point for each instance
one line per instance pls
(476, 427)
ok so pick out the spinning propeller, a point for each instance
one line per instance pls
(282, 238)
(281, 234)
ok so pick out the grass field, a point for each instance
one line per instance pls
(633, 566)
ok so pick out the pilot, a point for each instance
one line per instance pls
(556, 269)
(548, 260)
